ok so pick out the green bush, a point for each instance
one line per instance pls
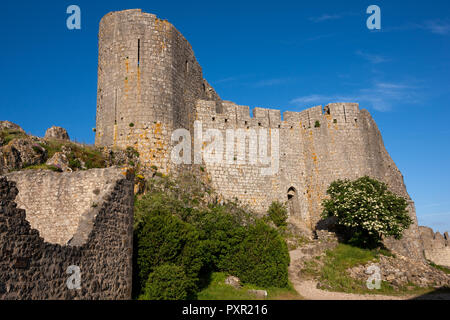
(167, 282)
(176, 224)
(261, 258)
(164, 238)
(317, 124)
(278, 213)
(366, 210)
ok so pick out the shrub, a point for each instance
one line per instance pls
(132, 152)
(167, 282)
(261, 258)
(317, 124)
(175, 224)
(164, 238)
(278, 213)
(366, 210)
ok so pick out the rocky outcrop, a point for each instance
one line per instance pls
(8, 125)
(402, 272)
(92, 241)
(20, 153)
(436, 246)
(57, 133)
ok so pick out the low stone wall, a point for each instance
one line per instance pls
(97, 239)
(436, 246)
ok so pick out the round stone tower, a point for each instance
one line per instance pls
(148, 81)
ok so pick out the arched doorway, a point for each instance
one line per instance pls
(293, 205)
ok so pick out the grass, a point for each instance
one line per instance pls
(442, 268)
(334, 277)
(92, 157)
(216, 289)
(42, 167)
(9, 134)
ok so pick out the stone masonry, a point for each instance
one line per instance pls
(50, 221)
(149, 84)
(436, 246)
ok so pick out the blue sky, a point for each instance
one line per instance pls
(280, 54)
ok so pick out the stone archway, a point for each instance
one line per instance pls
(293, 205)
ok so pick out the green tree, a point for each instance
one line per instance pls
(366, 210)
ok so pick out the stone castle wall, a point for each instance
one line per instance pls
(38, 244)
(317, 147)
(148, 77)
(148, 81)
(436, 246)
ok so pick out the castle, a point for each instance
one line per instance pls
(150, 84)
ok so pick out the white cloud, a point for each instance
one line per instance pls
(437, 27)
(325, 17)
(372, 58)
(270, 82)
(382, 96)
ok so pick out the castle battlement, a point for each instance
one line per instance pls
(241, 116)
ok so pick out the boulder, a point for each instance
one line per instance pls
(57, 133)
(233, 281)
(60, 161)
(261, 294)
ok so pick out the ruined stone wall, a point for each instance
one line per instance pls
(436, 246)
(38, 244)
(148, 81)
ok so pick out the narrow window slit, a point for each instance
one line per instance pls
(139, 53)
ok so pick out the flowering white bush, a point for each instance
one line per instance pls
(367, 210)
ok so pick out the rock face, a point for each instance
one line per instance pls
(39, 245)
(56, 133)
(436, 246)
(21, 153)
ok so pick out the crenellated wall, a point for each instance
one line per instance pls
(436, 246)
(317, 146)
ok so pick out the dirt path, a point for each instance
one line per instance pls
(308, 290)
